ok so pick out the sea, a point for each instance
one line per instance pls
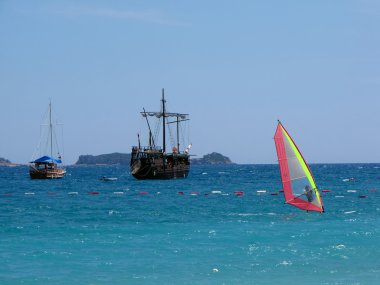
(224, 224)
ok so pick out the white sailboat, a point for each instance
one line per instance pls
(47, 166)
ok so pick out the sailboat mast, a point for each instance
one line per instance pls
(177, 134)
(51, 131)
(163, 122)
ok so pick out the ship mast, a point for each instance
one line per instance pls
(163, 122)
(51, 131)
(151, 139)
(177, 134)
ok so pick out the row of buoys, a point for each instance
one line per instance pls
(350, 191)
(192, 193)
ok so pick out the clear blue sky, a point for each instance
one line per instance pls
(234, 66)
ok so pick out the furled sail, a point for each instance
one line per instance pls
(297, 180)
(159, 114)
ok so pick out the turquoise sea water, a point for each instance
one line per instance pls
(149, 233)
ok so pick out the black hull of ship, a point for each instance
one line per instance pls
(168, 173)
(169, 167)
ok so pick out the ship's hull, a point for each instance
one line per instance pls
(54, 173)
(153, 166)
(154, 173)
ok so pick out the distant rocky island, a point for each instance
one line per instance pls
(117, 158)
(212, 158)
(105, 159)
(6, 162)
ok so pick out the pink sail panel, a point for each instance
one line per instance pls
(284, 170)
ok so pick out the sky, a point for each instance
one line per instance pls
(235, 66)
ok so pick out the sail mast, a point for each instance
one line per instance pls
(163, 122)
(51, 131)
(177, 134)
(151, 139)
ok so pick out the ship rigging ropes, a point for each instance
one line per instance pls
(183, 129)
(172, 141)
(183, 126)
(45, 132)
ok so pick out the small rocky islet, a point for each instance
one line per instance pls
(117, 158)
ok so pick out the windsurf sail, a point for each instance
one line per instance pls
(298, 182)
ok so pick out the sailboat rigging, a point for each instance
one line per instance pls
(298, 182)
(47, 166)
(154, 162)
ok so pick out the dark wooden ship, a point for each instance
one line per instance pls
(153, 162)
(46, 166)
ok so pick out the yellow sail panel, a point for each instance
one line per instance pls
(301, 161)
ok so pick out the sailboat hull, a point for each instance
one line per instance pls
(54, 173)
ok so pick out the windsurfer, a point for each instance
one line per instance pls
(309, 193)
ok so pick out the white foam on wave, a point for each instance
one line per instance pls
(245, 214)
(340, 246)
(350, 212)
(252, 248)
(285, 263)
(111, 212)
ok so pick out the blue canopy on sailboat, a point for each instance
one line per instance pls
(46, 158)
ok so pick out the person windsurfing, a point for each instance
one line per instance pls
(309, 193)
